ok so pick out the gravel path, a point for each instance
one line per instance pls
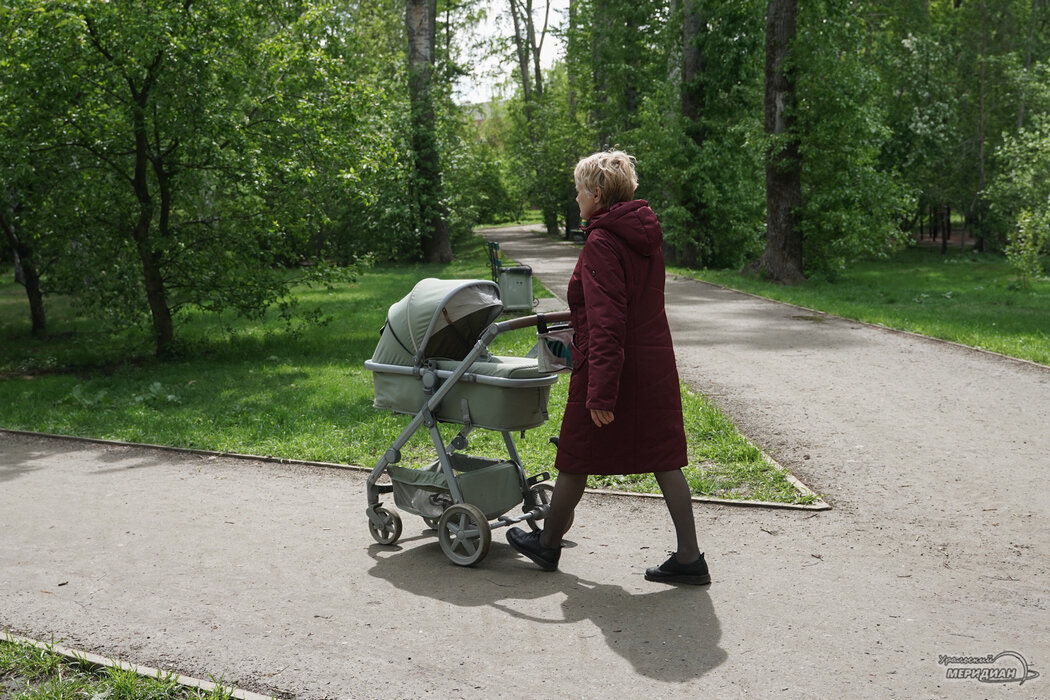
(933, 456)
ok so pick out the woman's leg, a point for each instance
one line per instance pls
(568, 490)
(680, 504)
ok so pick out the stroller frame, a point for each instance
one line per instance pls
(461, 496)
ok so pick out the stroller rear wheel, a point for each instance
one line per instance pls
(464, 534)
(543, 494)
(388, 529)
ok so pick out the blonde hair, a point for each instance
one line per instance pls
(612, 171)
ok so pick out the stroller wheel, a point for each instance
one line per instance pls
(432, 523)
(464, 534)
(388, 530)
(543, 494)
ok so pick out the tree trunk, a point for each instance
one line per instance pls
(572, 210)
(632, 98)
(604, 26)
(569, 206)
(523, 59)
(782, 259)
(1034, 12)
(26, 274)
(425, 188)
(536, 46)
(982, 118)
(982, 83)
(150, 258)
(946, 223)
(692, 69)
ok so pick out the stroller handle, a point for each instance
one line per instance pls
(535, 320)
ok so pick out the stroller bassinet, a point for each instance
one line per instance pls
(432, 362)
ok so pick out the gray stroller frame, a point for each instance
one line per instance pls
(429, 365)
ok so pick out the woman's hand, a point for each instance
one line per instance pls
(601, 418)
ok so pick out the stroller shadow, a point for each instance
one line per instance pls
(671, 634)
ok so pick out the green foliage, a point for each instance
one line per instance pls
(959, 79)
(913, 57)
(476, 169)
(1021, 194)
(36, 189)
(851, 203)
(628, 57)
(704, 177)
(709, 196)
(476, 179)
(182, 156)
(536, 153)
(189, 151)
(901, 107)
(1027, 245)
(1023, 184)
(618, 87)
(338, 128)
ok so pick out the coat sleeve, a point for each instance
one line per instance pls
(605, 303)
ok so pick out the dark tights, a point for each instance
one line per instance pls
(569, 489)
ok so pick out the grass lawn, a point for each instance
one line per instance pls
(967, 298)
(260, 389)
(29, 673)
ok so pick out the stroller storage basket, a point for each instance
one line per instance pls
(498, 393)
(494, 486)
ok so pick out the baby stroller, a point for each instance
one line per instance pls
(432, 362)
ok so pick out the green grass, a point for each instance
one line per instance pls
(967, 298)
(31, 673)
(260, 389)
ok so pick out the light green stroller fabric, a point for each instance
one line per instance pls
(437, 324)
(438, 318)
(498, 393)
(493, 486)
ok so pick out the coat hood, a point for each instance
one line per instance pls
(632, 222)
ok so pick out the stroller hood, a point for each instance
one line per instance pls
(437, 319)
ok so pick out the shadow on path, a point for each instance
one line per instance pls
(670, 635)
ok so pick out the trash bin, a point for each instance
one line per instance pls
(515, 287)
(515, 281)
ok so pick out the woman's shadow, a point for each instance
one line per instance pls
(671, 634)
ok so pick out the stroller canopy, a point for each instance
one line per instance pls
(437, 319)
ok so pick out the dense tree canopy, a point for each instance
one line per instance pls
(182, 154)
(899, 110)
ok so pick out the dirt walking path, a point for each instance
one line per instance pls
(933, 559)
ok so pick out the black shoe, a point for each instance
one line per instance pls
(528, 543)
(672, 572)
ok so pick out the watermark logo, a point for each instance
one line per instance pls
(1004, 667)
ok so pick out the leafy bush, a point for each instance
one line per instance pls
(1026, 246)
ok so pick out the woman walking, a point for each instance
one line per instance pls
(624, 411)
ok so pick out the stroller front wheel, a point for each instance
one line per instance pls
(388, 529)
(464, 534)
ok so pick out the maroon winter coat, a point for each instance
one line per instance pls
(622, 356)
